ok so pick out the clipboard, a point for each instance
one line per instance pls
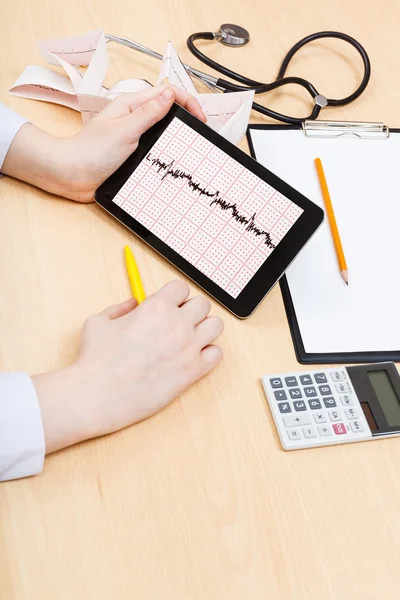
(375, 133)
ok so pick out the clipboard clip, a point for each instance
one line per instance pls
(345, 129)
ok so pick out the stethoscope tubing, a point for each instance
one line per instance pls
(208, 80)
(244, 83)
(259, 88)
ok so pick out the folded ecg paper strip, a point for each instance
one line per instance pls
(85, 61)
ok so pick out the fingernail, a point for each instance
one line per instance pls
(167, 94)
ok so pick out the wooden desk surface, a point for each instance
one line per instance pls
(200, 501)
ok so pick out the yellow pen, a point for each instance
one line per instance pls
(134, 275)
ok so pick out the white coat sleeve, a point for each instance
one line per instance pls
(22, 444)
(10, 124)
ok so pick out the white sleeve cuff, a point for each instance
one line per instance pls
(22, 444)
(10, 124)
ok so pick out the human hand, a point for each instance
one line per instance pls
(74, 167)
(133, 361)
(108, 139)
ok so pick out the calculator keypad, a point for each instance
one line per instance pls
(315, 409)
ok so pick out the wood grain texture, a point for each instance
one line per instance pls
(199, 502)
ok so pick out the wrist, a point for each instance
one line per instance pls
(64, 407)
(36, 157)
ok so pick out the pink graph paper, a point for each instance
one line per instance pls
(162, 195)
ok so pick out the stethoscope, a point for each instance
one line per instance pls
(235, 36)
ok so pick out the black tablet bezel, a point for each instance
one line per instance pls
(271, 271)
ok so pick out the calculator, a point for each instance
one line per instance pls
(335, 406)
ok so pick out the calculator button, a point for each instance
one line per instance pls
(324, 390)
(280, 395)
(294, 434)
(346, 400)
(306, 379)
(343, 387)
(314, 404)
(329, 402)
(325, 430)
(334, 415)
(297, 420)
(320, 378)
(319, 417)
(356, 426)
(309, 432)
(295, 393)
(284, 407)
(351, 413)
(291, 381)
(276, 382)
(299, 405)
(339, 428)
(337, 375)
(310, 391)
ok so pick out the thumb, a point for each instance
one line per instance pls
(119, 310)
(149, 113)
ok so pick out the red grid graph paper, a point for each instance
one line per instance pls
(173, 193)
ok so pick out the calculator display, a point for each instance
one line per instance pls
(386, 395)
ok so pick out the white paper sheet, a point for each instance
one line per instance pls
(363, 180)
(83, 90)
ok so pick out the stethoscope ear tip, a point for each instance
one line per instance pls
(232, 35)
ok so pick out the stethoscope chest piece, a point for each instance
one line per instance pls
(232, 35)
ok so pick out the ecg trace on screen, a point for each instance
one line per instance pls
(211, 210)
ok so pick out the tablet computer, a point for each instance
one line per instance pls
(211, 210)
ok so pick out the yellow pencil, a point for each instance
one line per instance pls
(332, 221)
(134, 275)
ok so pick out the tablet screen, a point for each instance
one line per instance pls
(206, 206)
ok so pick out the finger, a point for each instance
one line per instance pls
(176, 291)
(189, 102)
(149, 113)
(197, 309)
(210, 357)
(209, 330)
(125, 104)
(119, 310)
